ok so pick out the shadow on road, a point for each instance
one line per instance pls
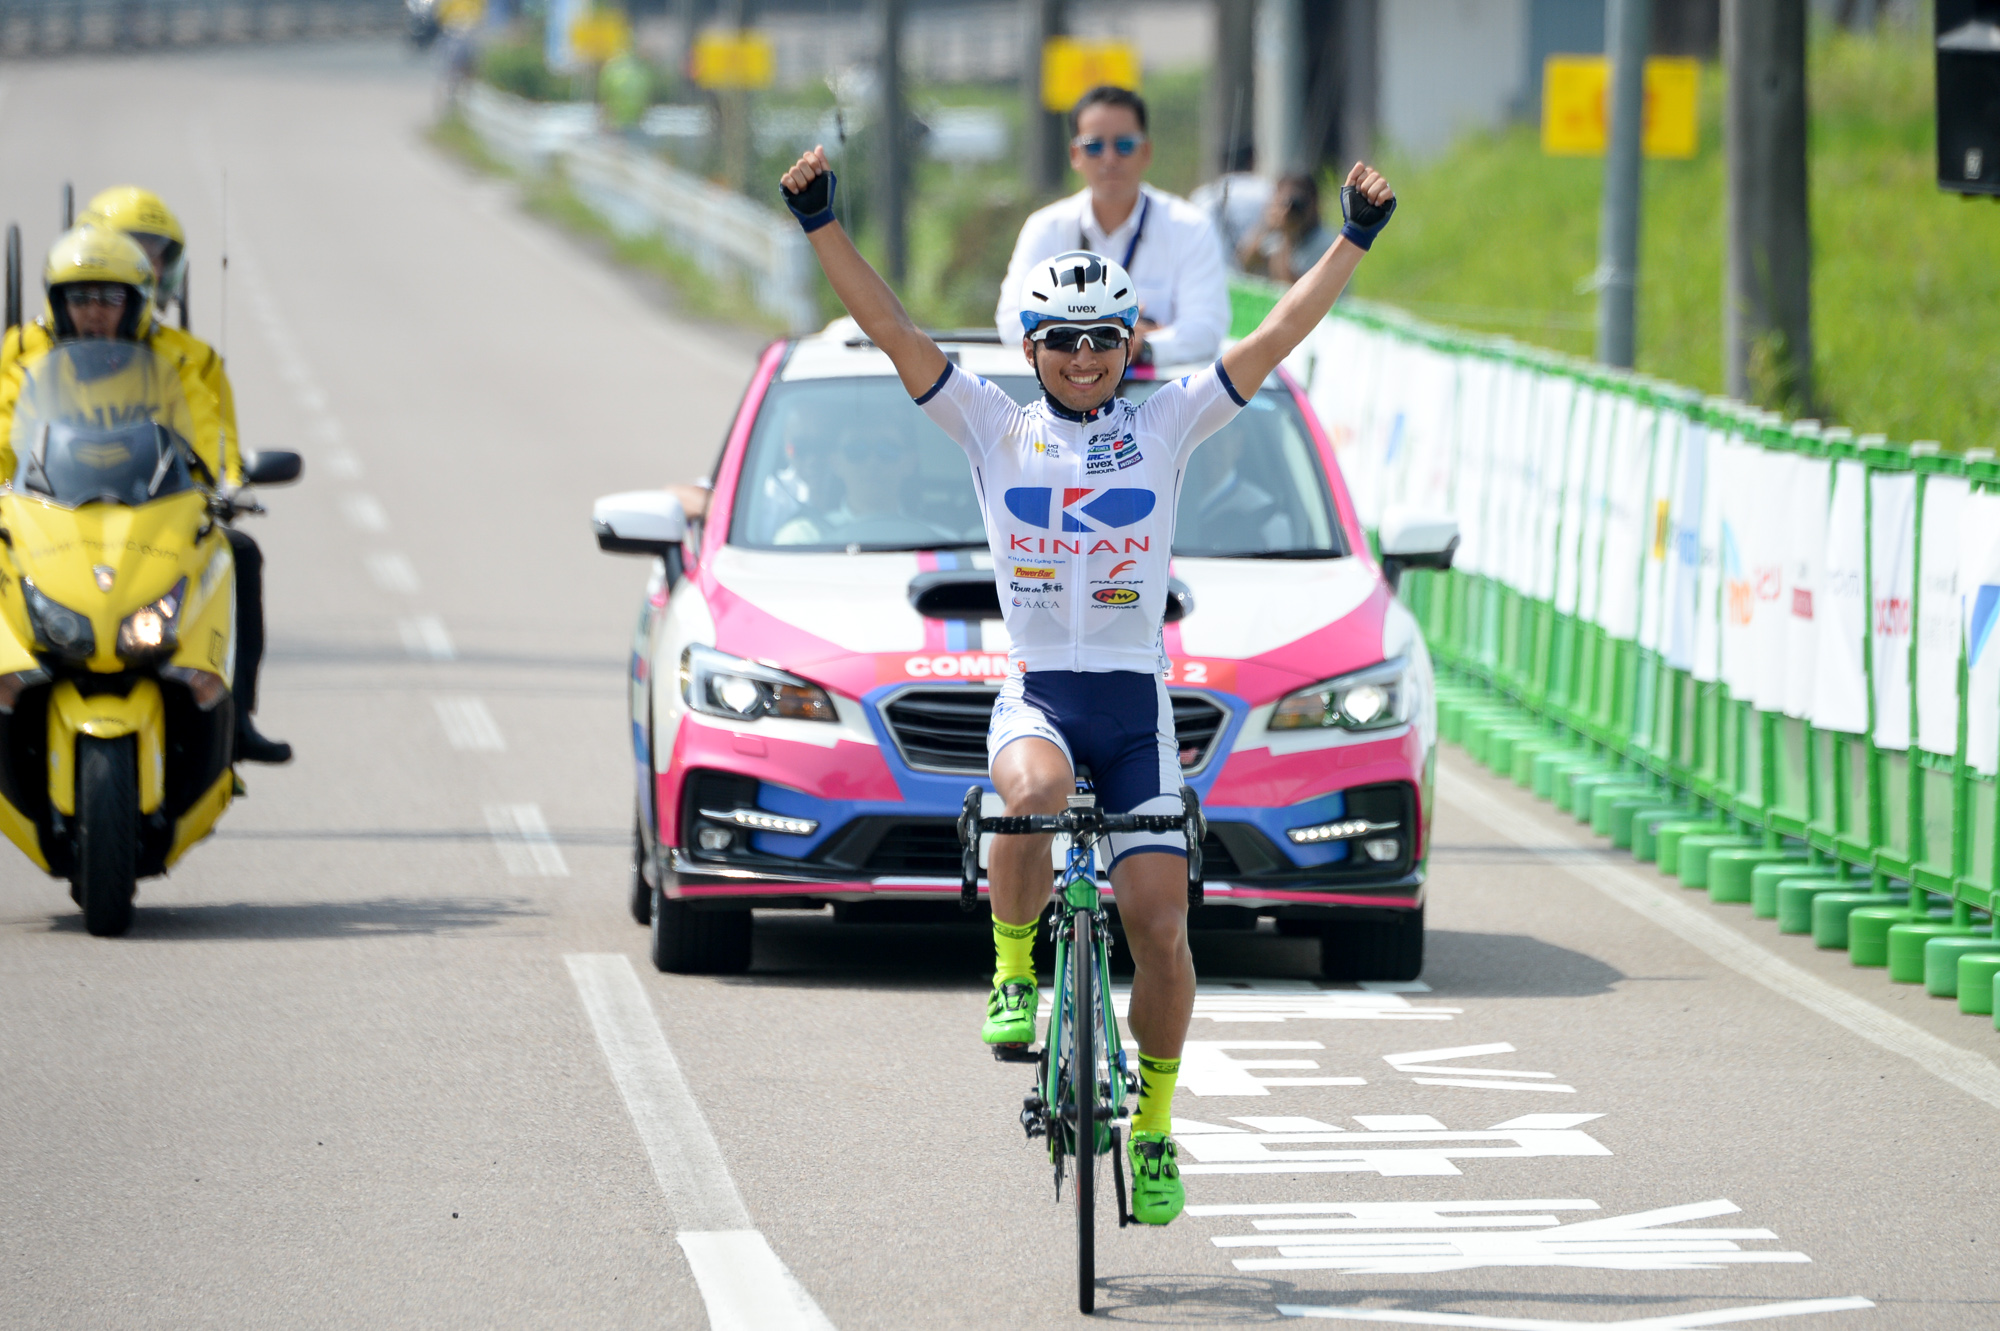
(1470, 965)
(390, 916)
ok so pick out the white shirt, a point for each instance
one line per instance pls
(1080, 512)
(1177, 266)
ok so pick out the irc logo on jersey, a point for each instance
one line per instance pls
(1106, 451)
(1104, 508)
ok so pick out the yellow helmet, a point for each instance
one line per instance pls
(93, 254)
(145, 217)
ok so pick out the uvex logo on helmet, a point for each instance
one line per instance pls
(1105, 508)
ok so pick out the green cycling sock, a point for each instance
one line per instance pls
(1013, 951)
(1156, 1094)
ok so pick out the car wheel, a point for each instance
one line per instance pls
(641, 890)
(699, 942)
(1373, 949)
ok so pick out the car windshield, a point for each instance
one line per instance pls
(852, 463)
(101, 421)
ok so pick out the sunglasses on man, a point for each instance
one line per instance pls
(1067, 338)
(1124, 145)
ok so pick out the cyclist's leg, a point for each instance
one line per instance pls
(1032, 773)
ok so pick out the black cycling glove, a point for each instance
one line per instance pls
(813, 205)
(1364, 217)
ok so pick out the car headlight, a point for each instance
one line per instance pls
(723, 685)
(153, 630)
(1373, 699)
(58, 628)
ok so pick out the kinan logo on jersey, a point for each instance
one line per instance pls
(1083, 509)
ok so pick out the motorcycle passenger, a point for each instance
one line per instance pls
(145, 217)
(100, 283)
(1082, 485)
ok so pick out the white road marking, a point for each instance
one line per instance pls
(743, 1283)
(1428, 1060)
(522, 837)
(1406, 1243)
(1673, 1322)
(1274, 1002)
(1970, 1072)
(393, 573)
(469, 726)
(365, 512)
(424, 637)
(1210, 1067)
(1394, 1145)
(343, 462)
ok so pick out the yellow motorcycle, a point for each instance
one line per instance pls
(117, 625)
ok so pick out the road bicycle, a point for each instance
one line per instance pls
(1082, 1080)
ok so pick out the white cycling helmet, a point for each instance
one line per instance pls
(1078, 287)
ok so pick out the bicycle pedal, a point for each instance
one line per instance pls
(1014, 1053)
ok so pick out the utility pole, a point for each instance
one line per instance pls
(733, 108)
(1280, 63)
(1045, 142)
(1229, 118)
(1767, 295)
(1626, 28)
(1360, 87)
(892, 173)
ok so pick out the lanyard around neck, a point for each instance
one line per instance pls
(1138, 232)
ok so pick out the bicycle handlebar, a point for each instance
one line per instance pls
(1093, 821)
(1081, 820)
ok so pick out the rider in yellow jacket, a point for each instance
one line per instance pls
(86, 266)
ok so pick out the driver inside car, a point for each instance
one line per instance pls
(868, 467)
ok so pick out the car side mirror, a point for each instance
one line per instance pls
(640, 522)
(272, 466)
(1415, 538)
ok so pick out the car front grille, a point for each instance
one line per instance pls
(944, 729)
(926, 849)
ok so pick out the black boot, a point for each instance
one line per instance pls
(252, 747)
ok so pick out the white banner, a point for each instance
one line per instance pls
(1937, 615)
(1659, 526)
(1684, 576)
(1742, 513)
(1708, 588)
(1892, 562)
(1979, 593)
(1596, 487)
(1630, 464)
(1770, 590)
(1576, 477)
(1472, 473)
(1555, 399)
(1805, 572)
(1346, 385)
(1840, 679)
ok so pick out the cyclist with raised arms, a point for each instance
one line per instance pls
(1079, 489)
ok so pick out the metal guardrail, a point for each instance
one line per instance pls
(639, 195)
(53, 27)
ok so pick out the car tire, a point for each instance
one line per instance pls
(641, 890)
(1373, 949)
(699, 942)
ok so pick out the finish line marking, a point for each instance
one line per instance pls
(1970, 1072)
(1675, 1322)
(742, 1281)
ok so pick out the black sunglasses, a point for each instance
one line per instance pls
(1124, 145)
(1067, 338)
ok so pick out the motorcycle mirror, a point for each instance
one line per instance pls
(272, 466)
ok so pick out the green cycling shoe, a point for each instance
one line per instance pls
(1157, 1193)
(1010, 1013)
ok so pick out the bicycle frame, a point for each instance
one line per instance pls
(1080, 895)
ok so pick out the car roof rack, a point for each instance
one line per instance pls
(989, 336)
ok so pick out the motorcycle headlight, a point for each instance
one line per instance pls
(1377, 698)
(723, 685)
(153, 630)
(58, 628)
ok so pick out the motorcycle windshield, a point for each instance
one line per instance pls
(101, 422)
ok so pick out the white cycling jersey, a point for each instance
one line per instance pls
(1080, 511)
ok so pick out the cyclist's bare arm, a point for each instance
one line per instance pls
(1299, 311)
(867, 297)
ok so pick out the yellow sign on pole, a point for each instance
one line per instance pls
(1071, 68)
(725, 59)
(599, 35)
(1576, 88)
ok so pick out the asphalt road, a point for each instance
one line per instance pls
(367, 1061)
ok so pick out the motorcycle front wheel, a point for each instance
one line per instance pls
(107, 833)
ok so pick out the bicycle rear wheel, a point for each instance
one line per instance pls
(1084, 1001)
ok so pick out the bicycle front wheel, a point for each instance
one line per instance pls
(1084, 1000)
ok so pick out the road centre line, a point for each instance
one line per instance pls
(393, 573)
(468, 725)
(425, 638)
(1674, 1322)
(365, 512)
(743, 1282)
(1970, 1072)
(521, 835)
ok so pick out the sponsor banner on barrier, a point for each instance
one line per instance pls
(1805, 572)
(1892, 591)
(1979, 592)
(1840, 680)
(1937, 615)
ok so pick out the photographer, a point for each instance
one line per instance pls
(1291, 236)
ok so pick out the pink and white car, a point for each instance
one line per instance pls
(817, 656)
